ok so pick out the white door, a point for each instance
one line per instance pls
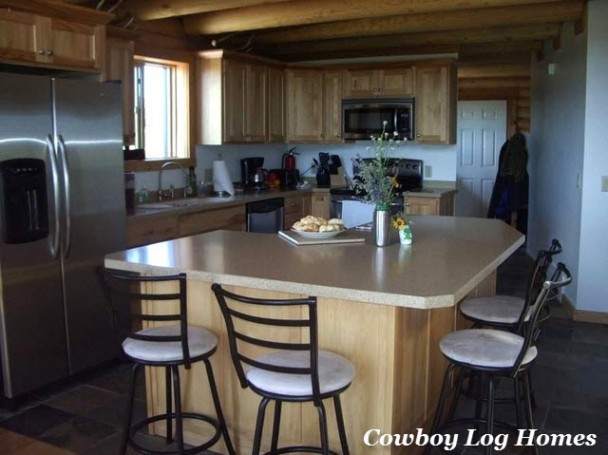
(482, 130)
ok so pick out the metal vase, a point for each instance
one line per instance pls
(382, 224)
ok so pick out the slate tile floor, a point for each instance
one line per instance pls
(85, 415)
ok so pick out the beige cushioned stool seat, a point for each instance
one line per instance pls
(200, 342)
(499, 309)
(335, 373)
(485, 348)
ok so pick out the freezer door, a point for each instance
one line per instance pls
(89, 141)
(32, 332)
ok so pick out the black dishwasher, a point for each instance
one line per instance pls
(265, 216)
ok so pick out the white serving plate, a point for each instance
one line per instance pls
(318, 235)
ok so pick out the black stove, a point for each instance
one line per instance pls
(409, 175)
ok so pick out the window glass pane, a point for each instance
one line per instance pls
(157, 110)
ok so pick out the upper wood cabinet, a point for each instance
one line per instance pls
(332, 106)
(276, 104)
(436, 91)
(32, 39)
(370, 83)
(236, 105)
(119, 67)
(314, 112)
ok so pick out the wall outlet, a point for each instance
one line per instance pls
(605, 183)
(428, 171)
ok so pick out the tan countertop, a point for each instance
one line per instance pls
(180, 206)
(450, 256)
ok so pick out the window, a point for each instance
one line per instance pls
(161, 108)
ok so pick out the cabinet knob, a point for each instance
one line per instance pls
(49, 53)
(418, 135)
(42, 52)
(338, 135)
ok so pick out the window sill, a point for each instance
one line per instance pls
(155, 165)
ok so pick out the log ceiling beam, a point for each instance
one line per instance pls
(146, 10)
(459, 37)
(301, 12)
(425, 22)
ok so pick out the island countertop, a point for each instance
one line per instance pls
(450, 256)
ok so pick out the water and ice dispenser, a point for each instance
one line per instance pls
(23, 200)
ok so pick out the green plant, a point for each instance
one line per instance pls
(375, 181)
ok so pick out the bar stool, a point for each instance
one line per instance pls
(510, 312)
(288, 371)
(495, 353)
(168, 346)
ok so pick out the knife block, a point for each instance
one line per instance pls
(337, 180)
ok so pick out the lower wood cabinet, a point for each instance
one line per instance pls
(143, 230)
(320, 205)
(296, 207)
(232, 219)
(440, 205)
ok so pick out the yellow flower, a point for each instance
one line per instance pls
(399, 223)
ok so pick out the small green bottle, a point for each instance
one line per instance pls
(192, 188)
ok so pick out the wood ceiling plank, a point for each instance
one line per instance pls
(525, 33)
(415, 23)
(60, 10)
(300, 12)
(494, 70)
(146, 10)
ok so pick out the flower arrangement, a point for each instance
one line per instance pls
(373, 181)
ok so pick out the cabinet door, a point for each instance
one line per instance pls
(360, 83)
(396, 82)
(256, 122)
(332, 106)
(232, 219)
(276, 105)
(234, 106)
(320, 205)
(146, 230)
(421, 205)
(119, 67)
(77, 45)
(304, 106)
(23, 37)
(436, 104)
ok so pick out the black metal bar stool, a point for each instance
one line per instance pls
(168, 346)
(510, 312)
(494, 353)
(288, 371)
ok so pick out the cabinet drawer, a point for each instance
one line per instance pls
(232, 218)
(142, 230)
(294, 205)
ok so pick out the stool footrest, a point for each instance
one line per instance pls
(162, 417)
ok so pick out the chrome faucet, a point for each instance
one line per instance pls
(168, 194)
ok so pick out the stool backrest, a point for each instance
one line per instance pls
(135, 287)
(544, 258)
(249, 331)
(559, 279)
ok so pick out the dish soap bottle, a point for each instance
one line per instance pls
(191, 188)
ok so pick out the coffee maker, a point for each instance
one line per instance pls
(252, 173)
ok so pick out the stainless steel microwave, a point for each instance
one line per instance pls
(363, 118)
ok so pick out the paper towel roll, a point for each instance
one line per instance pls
(221, 178)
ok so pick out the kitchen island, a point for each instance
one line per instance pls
(383, 308)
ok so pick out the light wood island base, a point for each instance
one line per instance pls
(399, 371)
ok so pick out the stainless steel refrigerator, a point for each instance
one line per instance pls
(62, 208)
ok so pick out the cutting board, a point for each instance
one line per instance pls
(345, 237)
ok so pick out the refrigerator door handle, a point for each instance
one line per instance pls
(67, 240)
(54, 246)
